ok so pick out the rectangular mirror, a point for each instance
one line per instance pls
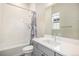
(65, 20)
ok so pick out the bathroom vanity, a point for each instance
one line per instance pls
(42, 50)
(48, 47)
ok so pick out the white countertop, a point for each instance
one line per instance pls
(64, 48)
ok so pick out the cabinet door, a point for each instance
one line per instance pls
(57, 54)
(37, 52)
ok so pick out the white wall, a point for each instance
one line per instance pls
(44, 22)
(48, 21)
(15, 31)
(1, 13)
(40, 9)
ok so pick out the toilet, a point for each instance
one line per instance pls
(28, 50)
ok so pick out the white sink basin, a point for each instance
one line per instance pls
(48, 41)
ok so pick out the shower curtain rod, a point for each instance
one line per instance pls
(20, 7)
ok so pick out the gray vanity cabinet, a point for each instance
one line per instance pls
(41, 50)
(37, 50)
